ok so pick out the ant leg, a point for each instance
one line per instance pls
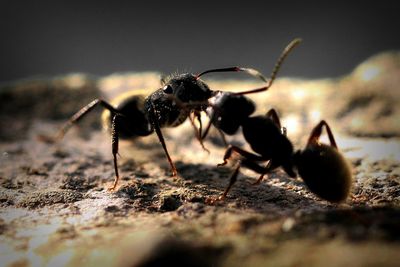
(249, 160)
(160, 136)
(198, 117)
(197, 114)
(114, 144)
(267, 169)
(317, 131)
(248, 155)
(232, 181)
(263, 170)
(259, 178)
(207, 129)
(221, 133)
(81, 113)
(162, 141)
(197, 131)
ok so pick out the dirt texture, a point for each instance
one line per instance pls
(55, 209)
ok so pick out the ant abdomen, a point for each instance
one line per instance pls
(325, 172)
(133, 122)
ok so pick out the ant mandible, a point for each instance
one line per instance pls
(322, 167)
(134, 115)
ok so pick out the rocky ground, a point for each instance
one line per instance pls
(55, 209)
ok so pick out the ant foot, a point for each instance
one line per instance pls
(111, 188)
(46, 139)
(204, 147)
(222, 164)
(258, 180)
(174, 171)
(114, 186)
(214, 200)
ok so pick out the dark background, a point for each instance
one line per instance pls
(100, 37)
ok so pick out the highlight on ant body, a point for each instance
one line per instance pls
(135, 115)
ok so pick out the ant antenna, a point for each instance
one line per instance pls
(256, 73)
(250, 71)
(278, 65)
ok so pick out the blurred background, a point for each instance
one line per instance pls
(103, 37)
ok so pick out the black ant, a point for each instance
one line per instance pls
(135, 115)
(322, 167)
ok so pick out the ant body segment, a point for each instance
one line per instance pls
(181, 96)
(322, 167)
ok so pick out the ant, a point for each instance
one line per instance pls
(322, 167)
(134, 115)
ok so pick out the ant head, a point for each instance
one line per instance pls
(160, 108)
(187, 88)
(325, 171)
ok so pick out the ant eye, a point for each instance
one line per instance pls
(168, 89)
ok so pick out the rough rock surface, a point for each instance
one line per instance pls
(55, 209)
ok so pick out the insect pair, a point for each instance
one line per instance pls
(187, 96)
